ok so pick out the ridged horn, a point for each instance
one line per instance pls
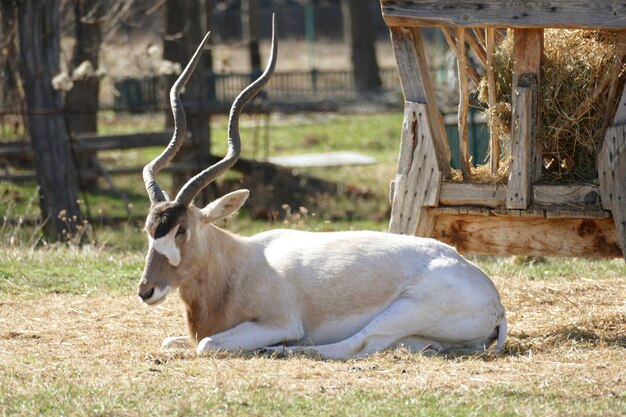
(200, 181)
(180, 129)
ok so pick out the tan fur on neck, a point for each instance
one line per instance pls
(206, 292)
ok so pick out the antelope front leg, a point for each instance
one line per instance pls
(176, 341)
(250, 336)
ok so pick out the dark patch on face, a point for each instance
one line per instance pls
(163, 217)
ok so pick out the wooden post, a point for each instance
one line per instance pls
(528, 51)
(525, 151)
(417, 86)
(463, 104)
(418, 179)
(477, 47)
(494, 140)
(612, 171)
(518, 192)
(451, 39)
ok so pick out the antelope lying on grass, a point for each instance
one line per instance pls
(339, 295)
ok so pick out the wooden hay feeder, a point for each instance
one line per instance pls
(523, 216)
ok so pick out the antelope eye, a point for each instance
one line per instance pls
(181, 230)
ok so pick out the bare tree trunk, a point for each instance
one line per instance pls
(39, 42)
(250, 28)
(185, 26)
(81, 102)
(11, 98)
(357, 20)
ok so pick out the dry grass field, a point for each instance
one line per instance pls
(85, 346)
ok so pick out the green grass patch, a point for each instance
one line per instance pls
(545, 269)
(164, 394)
(62, 270)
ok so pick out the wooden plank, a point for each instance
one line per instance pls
(463, 104)
(91, 143)
(94, 143)
(520, 181)
(470, 194)
(564, 213)
(437, 127)
(474, 43)
(480, 36)
(494, 140)
(417, 87)
(418, 179)
(598, 14)
(528, 50)
(615, 111)
(532, 236)
(18, 178)
(612, 177)
(620, 111)
(15, 149)
(451, 39)
(408, 66)
(579, 195)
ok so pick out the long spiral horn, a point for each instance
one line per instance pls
(180, 129)
(200, 181)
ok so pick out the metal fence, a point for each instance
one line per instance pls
(148, 93)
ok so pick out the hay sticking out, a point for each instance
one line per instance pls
(481, 174)
(575, 77)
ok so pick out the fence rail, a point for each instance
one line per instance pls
(294, 87)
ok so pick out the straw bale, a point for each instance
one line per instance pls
(575, 74)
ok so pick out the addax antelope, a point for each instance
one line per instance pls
(338, 295)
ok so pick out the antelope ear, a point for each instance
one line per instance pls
(166, 195)
(225, 206)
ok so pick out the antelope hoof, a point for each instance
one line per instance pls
(174, 342)
(205, 345)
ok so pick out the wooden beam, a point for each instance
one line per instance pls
(411, 75)
(494, 139)
(525, 151)
(612, 177)
(418, 179)
(533, 236)
(94, 143)
(463, 104)
(477, 47)
(471, 194)
(566, 195)
(613, 113)
(520, 180)
(417, 87)
(528, 53)
(451, 39)
(437, 126)
(480, 33)
(494, 195)
(598, 14)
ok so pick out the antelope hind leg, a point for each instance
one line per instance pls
(400, 322)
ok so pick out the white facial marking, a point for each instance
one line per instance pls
(166, 246)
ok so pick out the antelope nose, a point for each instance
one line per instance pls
(146, 295)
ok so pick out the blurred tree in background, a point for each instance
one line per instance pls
(39, 45)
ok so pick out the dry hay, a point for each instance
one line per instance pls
(568, 335)
(575, 77)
